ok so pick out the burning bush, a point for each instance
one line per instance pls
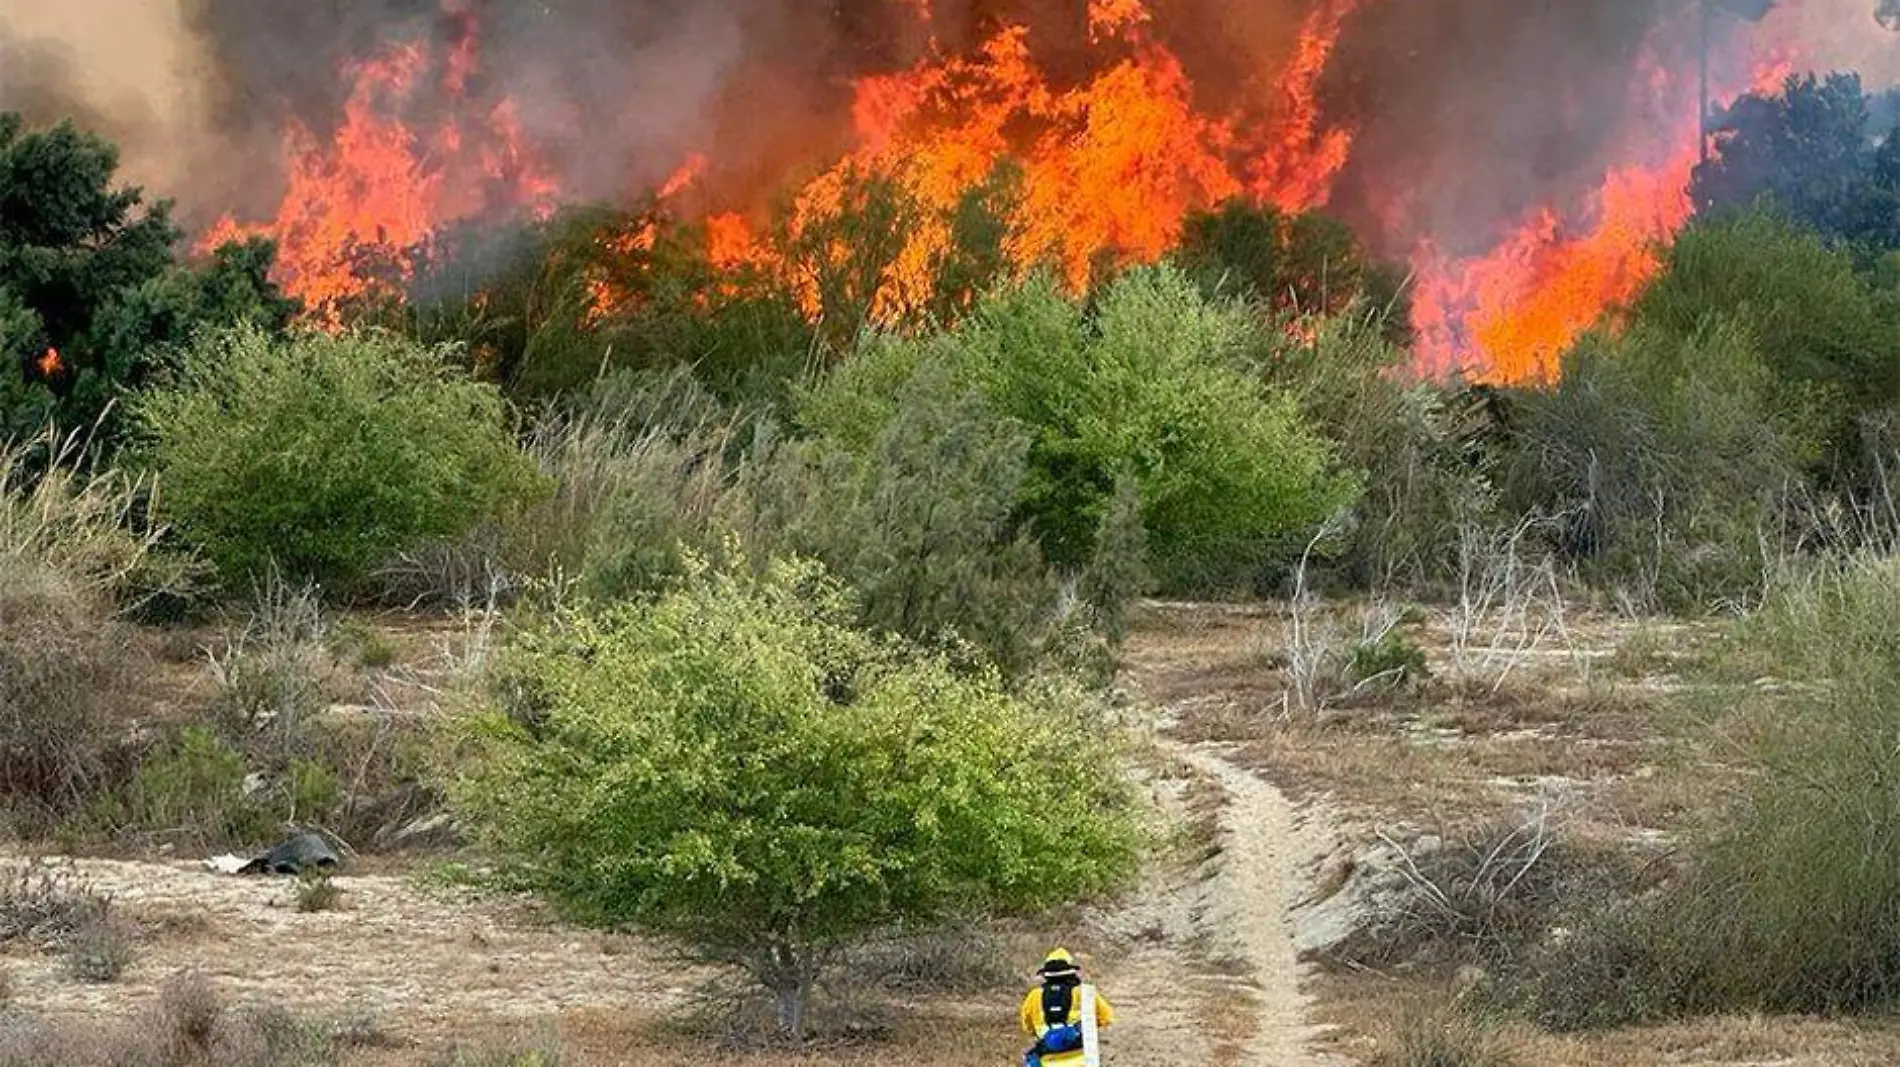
(326, 455)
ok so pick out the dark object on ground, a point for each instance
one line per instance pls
(305, 852)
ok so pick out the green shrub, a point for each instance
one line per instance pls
(1145, 384)
(325, 455)
(736, 765)
(1668, 460)
(195, 785)
(1830, 340)
(1304, 264)
(921, 525)
(1389, 657)
(363, 643)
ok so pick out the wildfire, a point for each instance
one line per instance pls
(369, 200)
(1108, 169)
(1102, 165)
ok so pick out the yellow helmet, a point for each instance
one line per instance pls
(1057, 962)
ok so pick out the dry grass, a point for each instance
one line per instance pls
(1585, 725)
(1359, 1010)
(1440, 753)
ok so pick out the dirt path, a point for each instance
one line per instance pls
(1265, 854)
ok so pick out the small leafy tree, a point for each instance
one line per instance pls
(90, 300)
(1148, 384)
(326, 455)
(734, 764)
(1811, 148)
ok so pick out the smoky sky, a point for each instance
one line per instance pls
(1466, 112)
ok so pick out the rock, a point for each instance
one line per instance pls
(295, 856)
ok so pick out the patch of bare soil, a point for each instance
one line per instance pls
(424, 965)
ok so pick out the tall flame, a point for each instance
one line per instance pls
(1108, 163)
(1510, 315)
(380, 189)
(1109, 168)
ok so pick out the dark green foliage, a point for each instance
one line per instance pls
(737, 765)
(325, 455)
(1830, 340)
(86, 271)
(1390, 658)
(1305, 264)
(1665, 460)
(921, 525)
(1811, 150)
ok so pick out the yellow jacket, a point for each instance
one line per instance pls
(1031, 1012)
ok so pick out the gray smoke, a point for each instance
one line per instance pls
(1467, 112)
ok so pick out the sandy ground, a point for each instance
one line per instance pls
(1265, 854)
(422, 962)
(1201, 964)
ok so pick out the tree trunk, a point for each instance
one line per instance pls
(791, 997)
(790, 971)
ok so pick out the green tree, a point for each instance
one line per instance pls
(325, 455)
(90, 300)
(1811, 150)
(1149, 383)
(737, 766)
(1829, 337)
(1306, 264)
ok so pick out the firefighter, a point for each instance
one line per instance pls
(1053, 1013)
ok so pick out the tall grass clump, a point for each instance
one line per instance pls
(1786, 902)
(324, 456)
(84, 521)
(74, 560)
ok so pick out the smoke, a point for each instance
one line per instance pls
(136, 83)
(1466, 113)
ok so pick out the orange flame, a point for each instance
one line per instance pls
(49, 364)
(1510, 315)
(383, 189)
(1109, 169)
